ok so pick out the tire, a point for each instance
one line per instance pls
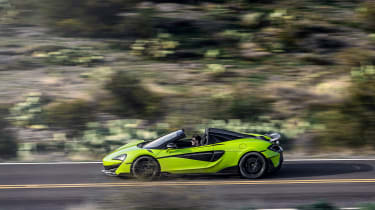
(145, 167)
(253, 165)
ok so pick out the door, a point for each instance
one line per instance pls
(186, 160)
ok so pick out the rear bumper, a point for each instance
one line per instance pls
(272, 162)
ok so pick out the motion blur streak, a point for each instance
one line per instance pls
(196, 183)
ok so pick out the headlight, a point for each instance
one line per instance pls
(120, 157)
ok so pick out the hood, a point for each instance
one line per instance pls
(131, 146)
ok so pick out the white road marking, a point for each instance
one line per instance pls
(99, 162)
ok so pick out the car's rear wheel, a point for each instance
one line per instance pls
(253, 165)
(145, 167)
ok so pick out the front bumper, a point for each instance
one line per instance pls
(122, 169)
(111, 169)
(109, 172)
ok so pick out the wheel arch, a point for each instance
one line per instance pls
(260, 173)
(244, 154)
(140, 156)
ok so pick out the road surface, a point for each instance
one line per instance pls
(346, 183)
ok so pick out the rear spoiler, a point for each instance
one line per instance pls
(275, 137)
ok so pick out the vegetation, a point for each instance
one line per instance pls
(366, 13)
(319, 206)
(29, 112)
(70, 57)
(105, 137)
(87, 17)
(8, 142)
(355, 57)
(160, 47)
(71, 115)
(356, 115)
(329, 206)
(368, 206)
(301, 68)
(131, 98)
(250, 108)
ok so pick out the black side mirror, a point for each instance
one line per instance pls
(171, 146)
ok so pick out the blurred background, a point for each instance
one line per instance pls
(80, 78)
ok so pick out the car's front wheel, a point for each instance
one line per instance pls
(253, 165)
(145, 167)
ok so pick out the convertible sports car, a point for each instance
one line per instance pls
(219, 151)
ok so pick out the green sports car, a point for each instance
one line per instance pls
(219, 151)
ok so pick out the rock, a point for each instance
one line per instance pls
(145, 5)
(322, 43)
(253, 19)
(251, 51)
(170, 7)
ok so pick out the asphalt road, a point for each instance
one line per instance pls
(346, 183)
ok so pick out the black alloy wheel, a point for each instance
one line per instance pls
(253, 165)
(145, 167)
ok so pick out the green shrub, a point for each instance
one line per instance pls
(96, 18)
(112, 134)
(24, 4)
(316, 60)
(67, 15)
(318, 206)
(8, 143)
(49, 146)
(253, 20)
(70, 115)
(101, 74)
(368, 206)
(248, 107)
(69, 57)
(160, 47)
(98, 138)
(355, 57)
(288, 36)
(104, 137)
(29, 112)
(361, 103)
(352, 120)
(289, 129)
(366, 13)
(140, 25)
(279, 16)
(19, 12)
(4, 5)
(131, 98)
(238, 105)
(211, 54)
(233, 36)
(8, 13)
(216, 70)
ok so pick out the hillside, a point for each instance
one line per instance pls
(86, 78)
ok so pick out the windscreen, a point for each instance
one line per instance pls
(164, 139)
